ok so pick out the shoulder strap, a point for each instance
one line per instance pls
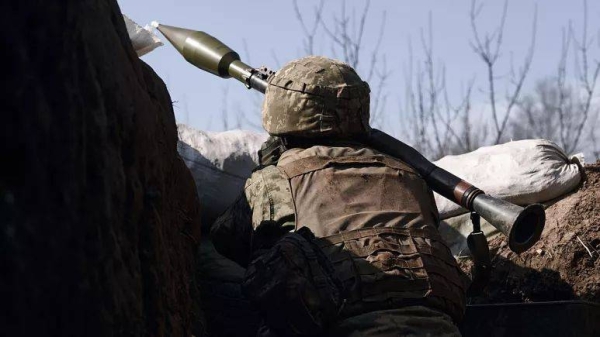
(270, 151)
(314, 163)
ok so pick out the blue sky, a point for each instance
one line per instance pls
(267, 32)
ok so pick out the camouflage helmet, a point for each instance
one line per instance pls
(315, 97)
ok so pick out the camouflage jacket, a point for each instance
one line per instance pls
(261, 214)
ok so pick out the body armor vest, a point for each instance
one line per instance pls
(376, 220)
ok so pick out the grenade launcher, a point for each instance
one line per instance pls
(522, 226)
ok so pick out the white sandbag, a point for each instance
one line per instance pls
(220, 163)
(522, 172)
(142, 38)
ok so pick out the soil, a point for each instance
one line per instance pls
(99, 216)
(563, 265)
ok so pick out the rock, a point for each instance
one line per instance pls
(98, 213)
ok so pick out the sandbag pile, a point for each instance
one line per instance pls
(220, 163)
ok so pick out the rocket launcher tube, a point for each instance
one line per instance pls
(522, 226)
(211, 55)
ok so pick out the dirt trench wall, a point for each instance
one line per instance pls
(98, 214)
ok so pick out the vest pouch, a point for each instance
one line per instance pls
(295, 286)
(397, 267)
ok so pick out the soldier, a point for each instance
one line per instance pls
(376, 265)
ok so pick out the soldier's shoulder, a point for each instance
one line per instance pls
(266, 177)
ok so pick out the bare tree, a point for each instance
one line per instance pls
(438, 127)
(345, 37)
(559, 110)
(309, 31)
(245, 115)
(555, 109)
(424, 89)
(488, 49)
(225, 108)
(470, 134)
(541, 114)
(434, 125)
(587, 72)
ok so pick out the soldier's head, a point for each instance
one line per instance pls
(316, 97)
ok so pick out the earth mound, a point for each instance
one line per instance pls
(563, 265)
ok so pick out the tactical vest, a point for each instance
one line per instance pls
(376, 220)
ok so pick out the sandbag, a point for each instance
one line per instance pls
(142, 39)
(220, 163)
(522, 172)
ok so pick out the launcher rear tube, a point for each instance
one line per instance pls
(440, 180)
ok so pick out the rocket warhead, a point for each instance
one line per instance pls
(212, 55)
(201, 49)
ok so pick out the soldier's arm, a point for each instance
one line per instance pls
(259, 217)
(232, 232)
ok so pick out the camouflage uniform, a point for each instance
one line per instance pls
(375, 218)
